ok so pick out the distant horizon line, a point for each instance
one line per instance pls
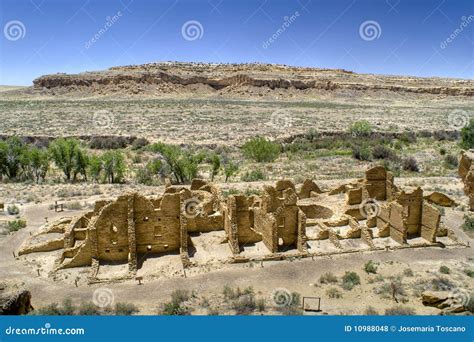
(235, 63)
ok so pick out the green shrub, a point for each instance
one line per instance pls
(174, 309)
(349, 280)
(294, 307)
(13, 210)
(261, 150)
(469, 273)
(244, 304)
(125, 309)
(175, 306)
(89, 309)
(361, 152)
(108, 143)
(382, 152)
(467, 135)
(180, 296)
(408, 272)
(52, 309)
(411, 164)
(370, 311)
(407, 137)
(451, 161)
(361, 128)
(16, 225)
(333, 293)
(261, 304)
(468, 225)
(399, 311)
(370, 267)
(75, 205)
(253, 176)
(228, 292)
(328, 278)
(139, 143)
(444, 269)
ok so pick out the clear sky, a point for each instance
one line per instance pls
(402, 37)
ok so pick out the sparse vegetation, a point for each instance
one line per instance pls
(253, 176)
(468, 225)
(467, 135)
(469, 272)
(370, 267)
(411, 164)
(16, 225)
(328, 278)
(175, 307)
(444, 269)
(67, 308)
(370, 311)
(400, 311)
(361, 128)
(261, 150)
(361, 152)
(13, 210)
(350, 280)
(333, 292)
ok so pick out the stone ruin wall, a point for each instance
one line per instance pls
(133, 225)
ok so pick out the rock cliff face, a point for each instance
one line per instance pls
(230, 78)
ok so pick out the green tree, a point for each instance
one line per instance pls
(230, 169)
(467, 135)
(13, 156)
(38, 162)
(95, 167)
(81, 163)
(216, 165)
(261, 150)
(183, 163)
(114, 166)
(69, 156)
(146, 175)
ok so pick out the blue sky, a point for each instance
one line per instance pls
(410, 37)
